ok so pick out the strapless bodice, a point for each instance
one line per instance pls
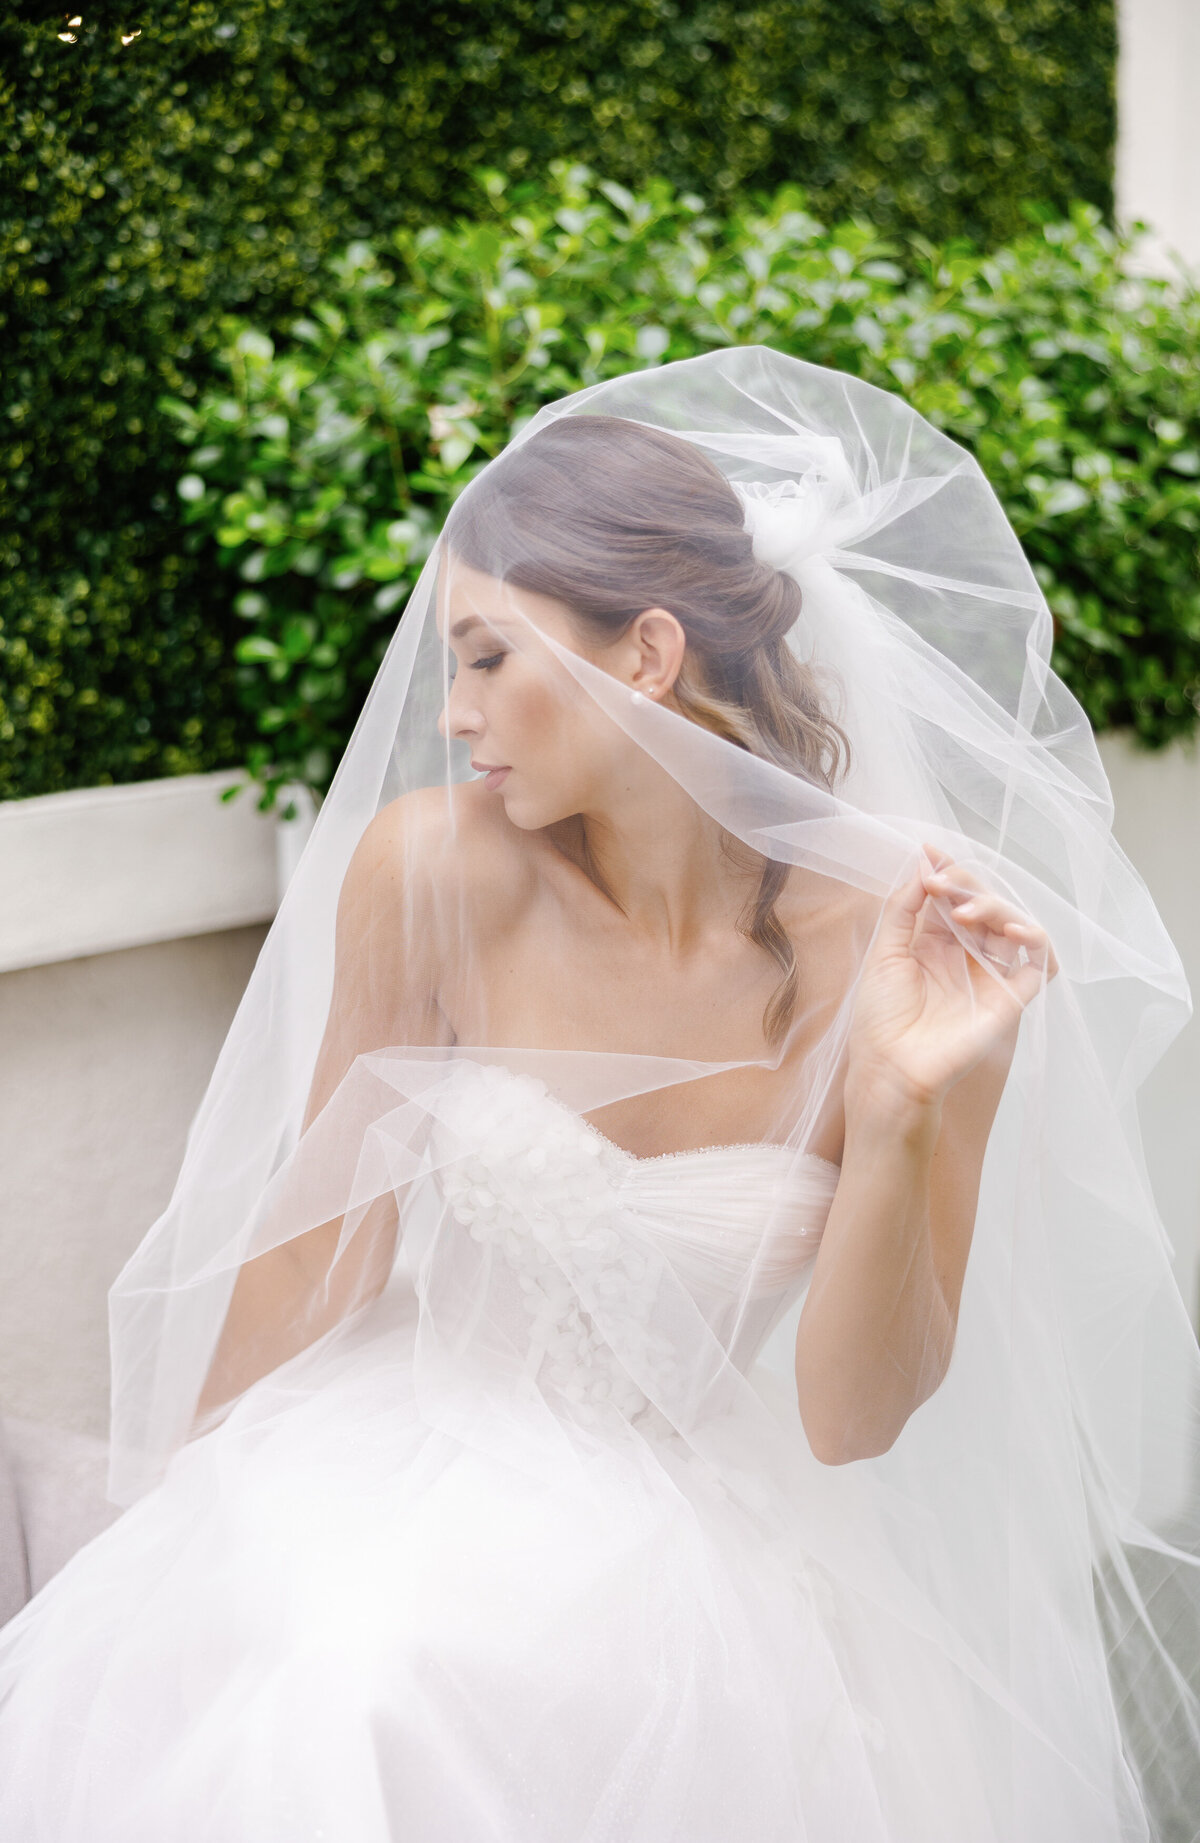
(625, 1267)
(730, 1218)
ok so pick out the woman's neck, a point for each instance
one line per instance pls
(664, 863)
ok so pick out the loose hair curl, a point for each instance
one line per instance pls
(610, 518)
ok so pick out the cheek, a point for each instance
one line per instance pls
(550, 729)
(533, 716)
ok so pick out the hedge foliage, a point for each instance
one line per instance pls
(214, 163)
(321, 471)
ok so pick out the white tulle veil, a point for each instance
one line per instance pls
(1030, 1532)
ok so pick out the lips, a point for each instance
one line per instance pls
(492, 777)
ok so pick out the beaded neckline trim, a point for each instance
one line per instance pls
(746, 1145)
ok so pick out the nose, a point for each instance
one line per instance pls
(458, 719)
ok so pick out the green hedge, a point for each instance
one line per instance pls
(320, 473)
(214, 163)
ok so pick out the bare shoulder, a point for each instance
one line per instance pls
(442, 844)
(815, 907)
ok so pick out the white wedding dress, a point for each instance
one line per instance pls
(337, 1620)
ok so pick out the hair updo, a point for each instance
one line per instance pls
(611, 518)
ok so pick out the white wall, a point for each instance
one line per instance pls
(1158, 147)
(1157, 822)
(1158, 181)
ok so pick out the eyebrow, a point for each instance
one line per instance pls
(463, 627)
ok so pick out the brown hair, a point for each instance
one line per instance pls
(611, 518)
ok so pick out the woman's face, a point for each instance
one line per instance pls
(547, 751)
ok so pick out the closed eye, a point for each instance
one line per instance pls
(486, 665)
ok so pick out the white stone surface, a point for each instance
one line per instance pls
(1158, 146)
(111, 867)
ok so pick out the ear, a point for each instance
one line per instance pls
(653, 646)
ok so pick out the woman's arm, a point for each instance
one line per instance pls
(384, 992)
(929, 1052)
(877, 1330)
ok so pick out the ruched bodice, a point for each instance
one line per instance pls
(731, 1217)
(615, 1273)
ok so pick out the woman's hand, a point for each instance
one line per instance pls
(927, 1010)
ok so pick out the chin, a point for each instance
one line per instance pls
(529, 813)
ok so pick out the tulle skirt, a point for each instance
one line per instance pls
(336, 1620)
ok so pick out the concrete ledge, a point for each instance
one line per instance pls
(103, 868)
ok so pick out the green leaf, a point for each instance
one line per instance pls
(299, 633)
(391, 596)
(255, 649)
(1064, 496)
(454, 450)
(252, 344)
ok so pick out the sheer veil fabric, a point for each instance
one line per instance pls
(396, 1079)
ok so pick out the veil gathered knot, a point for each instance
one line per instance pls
(789, 521)
(801, 525)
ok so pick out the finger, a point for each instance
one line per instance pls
(952, 879)
(939, 860)
(995, 928)
(971, 909)
(986, 910)
(987, 929)
(901, 908)
(1015, 941)
(1021, 974)
(957, 900)
(899, 918)
(1036, 942)
(1025, 982)
(949, 884)
(997, 950)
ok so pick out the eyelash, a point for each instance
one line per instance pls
(488, 664)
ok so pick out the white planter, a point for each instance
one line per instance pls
(110, 867)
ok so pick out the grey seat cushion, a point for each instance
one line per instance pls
(51, 1502)
(14, 1560)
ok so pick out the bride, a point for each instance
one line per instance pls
(661, 1329)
